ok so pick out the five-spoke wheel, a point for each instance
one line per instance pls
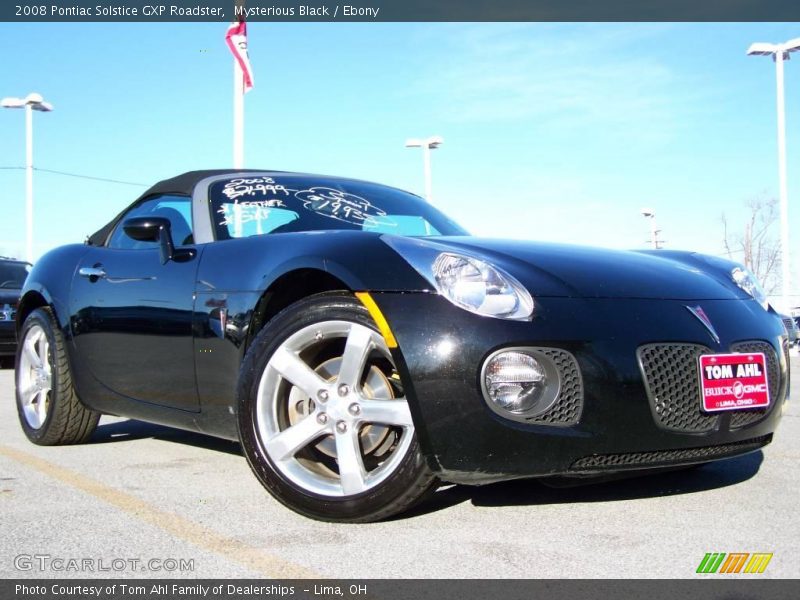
(49, 409)
(323, 414)
(35, 376)
(336, 427)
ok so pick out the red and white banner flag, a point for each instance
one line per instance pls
(236, 38)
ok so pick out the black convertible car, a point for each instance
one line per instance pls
(363, 347)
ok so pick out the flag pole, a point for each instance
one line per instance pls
(238, 116)
(236, 39)
(238, 98)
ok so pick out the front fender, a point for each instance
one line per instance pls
(49, 283)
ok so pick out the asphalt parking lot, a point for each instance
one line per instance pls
(147, 501)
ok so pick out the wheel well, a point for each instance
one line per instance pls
(29, 303)
(288, 289)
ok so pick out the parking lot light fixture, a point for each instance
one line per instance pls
(780, 53)
(649, 213)
(30, 103)
(427, 145)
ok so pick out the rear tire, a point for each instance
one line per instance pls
(50, 412)
(323, 418)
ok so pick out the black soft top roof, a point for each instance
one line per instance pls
(183, 184)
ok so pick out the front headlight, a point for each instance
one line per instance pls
(750, 285)
(481, 288)
(468, 282)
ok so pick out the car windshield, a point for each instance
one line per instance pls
(13, 274)
(281, 203)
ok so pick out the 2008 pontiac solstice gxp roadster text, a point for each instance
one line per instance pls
(363, 347)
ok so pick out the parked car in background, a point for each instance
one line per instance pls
(792, 331)
(12, 277)
(796, 337)
(363, 347)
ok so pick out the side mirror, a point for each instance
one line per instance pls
(152, 229)
(146, 229)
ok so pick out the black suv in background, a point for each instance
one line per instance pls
(12, 276)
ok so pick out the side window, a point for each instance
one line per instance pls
(178, 209)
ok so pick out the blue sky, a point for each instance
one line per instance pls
(552, 131)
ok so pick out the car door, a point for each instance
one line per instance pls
(132, 315)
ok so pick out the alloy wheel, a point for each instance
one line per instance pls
(35, 376)
(330, 409)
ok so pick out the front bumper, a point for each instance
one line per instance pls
(441, 350)
(8, 338)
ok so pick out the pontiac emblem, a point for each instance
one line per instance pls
(701, 315)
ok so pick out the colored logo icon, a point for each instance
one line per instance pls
(734, 562)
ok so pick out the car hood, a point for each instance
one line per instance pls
(580, 271)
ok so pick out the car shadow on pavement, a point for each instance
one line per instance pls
(531, 492)
(521, 492)
(130, 429)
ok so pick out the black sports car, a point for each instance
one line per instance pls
(363, 347)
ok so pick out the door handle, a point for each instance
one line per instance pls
(93, 273)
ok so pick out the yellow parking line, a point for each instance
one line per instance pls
(235, 550)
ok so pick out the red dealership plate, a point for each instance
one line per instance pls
(733, 381)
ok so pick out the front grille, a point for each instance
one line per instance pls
(566, 410)
(657, 458)
(8, 312)
(748, 417)
(673, 389)
(670, 375)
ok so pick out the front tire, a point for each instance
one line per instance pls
(50, 412)
(323, 418)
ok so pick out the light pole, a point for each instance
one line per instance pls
(779, 53)
(649, 213)
(30, 103)
(427, 145)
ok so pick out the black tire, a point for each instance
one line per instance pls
(410, 477)
(67, 420)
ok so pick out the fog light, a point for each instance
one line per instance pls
(514, 381)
